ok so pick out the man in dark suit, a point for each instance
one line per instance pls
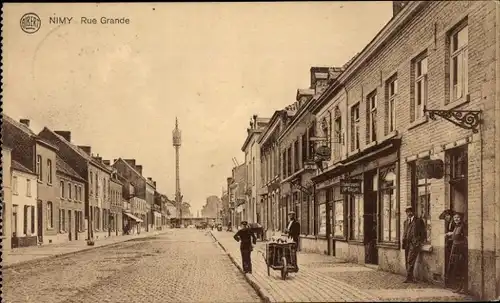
(246, 237)
(293, 229)
(413, 238)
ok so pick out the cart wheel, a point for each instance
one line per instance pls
(284, 269)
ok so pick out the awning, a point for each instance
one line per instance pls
(133, 217)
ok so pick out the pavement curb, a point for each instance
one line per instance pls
(261, 292)
(23, 263)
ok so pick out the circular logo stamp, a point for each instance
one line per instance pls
(30, 23)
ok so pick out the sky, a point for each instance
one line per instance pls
(119, 87)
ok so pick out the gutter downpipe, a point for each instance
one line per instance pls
(497, 158)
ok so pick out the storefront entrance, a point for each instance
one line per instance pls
(457, 162)
(370, 217)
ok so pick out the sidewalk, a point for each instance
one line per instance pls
(324, 278)
(23, 255)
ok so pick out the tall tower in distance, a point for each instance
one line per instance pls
(176, 138)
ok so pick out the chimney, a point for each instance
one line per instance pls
(154, 183)
(65, 134)
(106, 162)
(25, 122)
(150, 179)
(397, 6)
(139, 169)
(255, 121)
(131, 162)
(86, 149)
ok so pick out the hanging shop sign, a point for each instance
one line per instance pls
(350, 186)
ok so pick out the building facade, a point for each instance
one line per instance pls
(71, 202)
(253, 207)
(39, 156)
(7, 198)
(24, 199)
(81, 160)
(153, 212)
(237, 196)
(142, 191)
(116, 204)
(396, 148)
(270, 161)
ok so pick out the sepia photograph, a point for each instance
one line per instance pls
(307, 151)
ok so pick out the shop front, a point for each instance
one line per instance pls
(358, 205)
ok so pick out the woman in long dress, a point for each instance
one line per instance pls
(458, 256)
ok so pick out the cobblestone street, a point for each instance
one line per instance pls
(183, 265)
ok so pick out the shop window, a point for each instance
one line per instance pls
(421, 197)
(322, 213)
(338, 206)
(457, 161)
(356, 213)
(389, 206)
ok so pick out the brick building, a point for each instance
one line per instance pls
(131, 172)
(71, 202)
(431, 59)
(269, 193)
(89, 168)
(37, 155)
(116, 203)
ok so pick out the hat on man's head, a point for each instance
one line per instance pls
(409, 209)
(291, 213)
(244, 223)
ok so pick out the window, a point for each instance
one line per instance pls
(32, 220)
(337, 130)
(25, 220)
(421, 197)
(322, 213)
(357, 211)
(289, 161)
(312, 134)
(14, 185)
(389, 210)
(91, 184)
(371, 121)
(355, 130)
(104, 189)
(391, 90)
(61, 189)
(49, 171)
(459, 76)
(50, 215)
(39, 167)
(28, 188)
(304, 148)
(70, 192)
(96, 186)
(296, 156)
(338, 208)
(420, 88)
(14, 220)
(77, 194)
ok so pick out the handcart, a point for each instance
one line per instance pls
(281, 255)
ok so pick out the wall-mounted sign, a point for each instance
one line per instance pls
(323, 153)
(430, 169)
(350, 186)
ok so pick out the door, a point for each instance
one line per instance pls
(70, 225)
(77, 223)
(370, 217)
(39, 220)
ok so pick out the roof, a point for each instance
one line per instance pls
(132, 168)
(79, 151)
(63, 167)
(19, 167)
(27, 130)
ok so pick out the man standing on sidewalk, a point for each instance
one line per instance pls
(246, 237)
(293, 229)
(413, 237)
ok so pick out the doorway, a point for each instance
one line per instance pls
(457, 162)
(39, 220)
(77, 223)
(70, 234)
(370, 217)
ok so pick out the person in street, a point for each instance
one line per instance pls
(246, 237)
(458, 256)
(413, 238)
(449, 227)
(293, 229)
